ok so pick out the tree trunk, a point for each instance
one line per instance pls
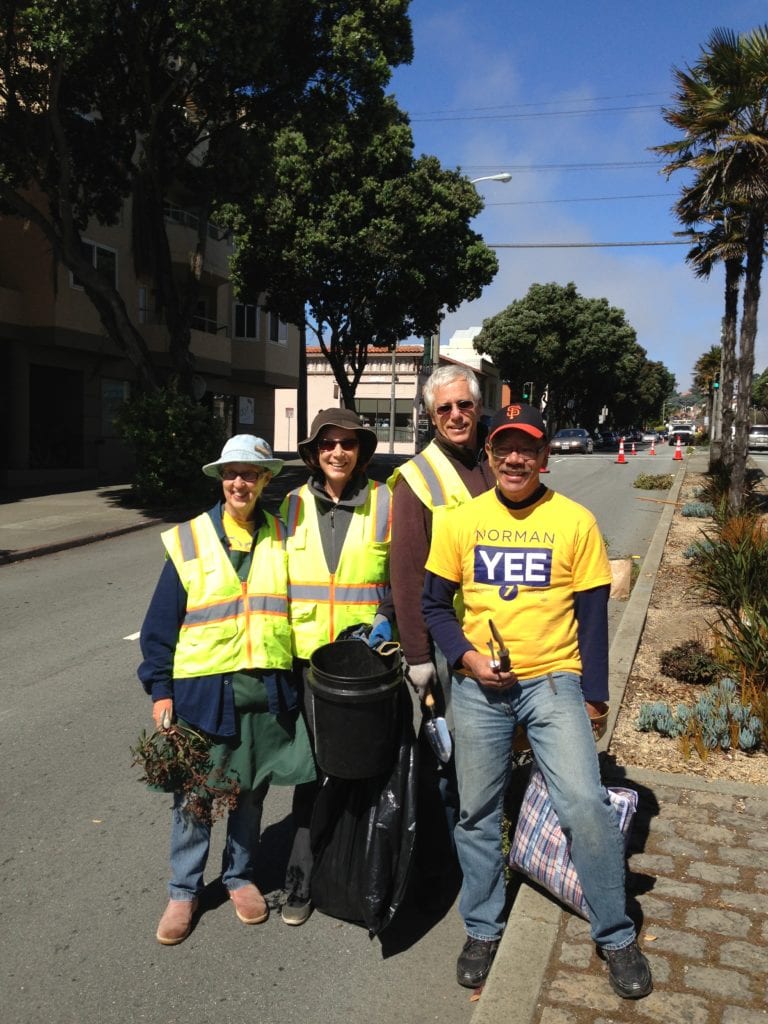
(733, 269)
(746, 363)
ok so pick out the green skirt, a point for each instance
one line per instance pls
(267, 748)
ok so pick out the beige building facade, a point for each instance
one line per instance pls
(391, 383)
(62, 378)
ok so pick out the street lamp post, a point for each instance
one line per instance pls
(503, 177)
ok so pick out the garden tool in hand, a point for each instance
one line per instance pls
(437, 731)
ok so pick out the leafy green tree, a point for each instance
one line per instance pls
(581, 352)
(760, 392)
(357, 241)
(101, 102)
(721, 112)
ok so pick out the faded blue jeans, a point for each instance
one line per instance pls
(551, 709)
(191, 841)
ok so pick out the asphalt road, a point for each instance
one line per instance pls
(84, 846)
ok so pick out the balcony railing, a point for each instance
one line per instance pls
(177, 215)
(208, 326)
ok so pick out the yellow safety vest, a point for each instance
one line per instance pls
(433, 479)
(322, 604)
(230, 624)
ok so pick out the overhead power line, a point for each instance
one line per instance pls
(576, 245)
(541, 103)
(534, 113)
(602, 166)
(584, 199)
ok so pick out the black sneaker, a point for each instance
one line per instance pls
(296, 909)
(475, 961)
(628, 971)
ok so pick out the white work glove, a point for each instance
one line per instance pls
(422, 678)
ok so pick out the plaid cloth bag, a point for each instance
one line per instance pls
(540, 850)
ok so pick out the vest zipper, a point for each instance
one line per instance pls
(331, 605)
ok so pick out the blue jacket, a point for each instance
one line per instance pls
(206, 702)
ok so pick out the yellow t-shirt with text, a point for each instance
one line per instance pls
(521, 568)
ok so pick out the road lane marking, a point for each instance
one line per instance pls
(132, 636)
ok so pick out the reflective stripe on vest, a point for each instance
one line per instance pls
(230, 624)
(322, 604)
(433, 479)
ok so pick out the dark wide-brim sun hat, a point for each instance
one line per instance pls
(248, 449)
(347, 420)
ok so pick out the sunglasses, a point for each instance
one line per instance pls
(524, 451)
(463, 406)
(327, 444)
(249, 475)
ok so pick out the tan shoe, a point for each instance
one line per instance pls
(250, 905)
(176, 922)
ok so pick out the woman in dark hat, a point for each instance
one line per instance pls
(338, 530)
(217, 657)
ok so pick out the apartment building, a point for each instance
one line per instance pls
(62, 378)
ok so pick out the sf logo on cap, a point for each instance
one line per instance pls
(513, 411)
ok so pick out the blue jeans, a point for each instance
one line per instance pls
(191, 841)
(551, 709)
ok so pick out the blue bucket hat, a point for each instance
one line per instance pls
(245, 448)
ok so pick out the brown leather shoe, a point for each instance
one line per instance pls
(250, 905)
(176, 922)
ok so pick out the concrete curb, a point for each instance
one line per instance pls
(531, 931)
(6, 557)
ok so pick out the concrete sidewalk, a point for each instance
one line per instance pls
(697, 886)
(32, 525)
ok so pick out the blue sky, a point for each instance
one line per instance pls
(531, 87)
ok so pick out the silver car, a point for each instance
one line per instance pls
(572, 439)
(758, 438)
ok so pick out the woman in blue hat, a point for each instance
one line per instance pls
(217, 657)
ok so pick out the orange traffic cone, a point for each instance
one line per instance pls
(653, 448)
(633, 452)
(678, 456)
(621, 461)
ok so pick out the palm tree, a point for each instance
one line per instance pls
(722, 112)
(723, 241)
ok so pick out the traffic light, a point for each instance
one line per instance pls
(716, 381)
(528, 391)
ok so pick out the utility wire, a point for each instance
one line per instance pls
(584, 199)
(539, 113)
(575, 245)
(541, 103)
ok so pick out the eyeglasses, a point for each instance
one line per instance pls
(464, 405)
(327, 444)
(501, 452)
(250, 476)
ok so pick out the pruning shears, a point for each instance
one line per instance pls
(502, 662)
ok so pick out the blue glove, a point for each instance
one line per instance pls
(381, 632)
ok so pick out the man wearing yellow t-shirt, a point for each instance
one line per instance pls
(534, 562)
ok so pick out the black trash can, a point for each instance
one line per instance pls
(355, 708)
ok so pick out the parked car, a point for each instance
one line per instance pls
(573, 439)
(649, 437)
(607, 440)
(758, 438)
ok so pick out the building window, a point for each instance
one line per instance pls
(374, 412)
(103, 259)
(246, 321)
(113, 394)
(278, 330)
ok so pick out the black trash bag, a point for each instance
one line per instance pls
(363, 833)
